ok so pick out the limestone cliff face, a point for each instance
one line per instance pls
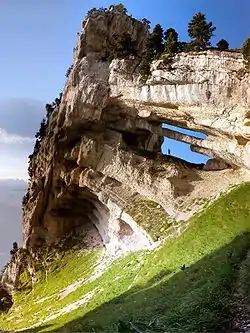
(102, 149)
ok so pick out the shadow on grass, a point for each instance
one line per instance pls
(192, 299)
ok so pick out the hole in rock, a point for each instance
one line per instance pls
(81, 219)
(139, 139)
(79, 216)
(181, 149)
(143, 141)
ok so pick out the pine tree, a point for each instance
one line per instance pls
(123, 46)
(200, 32)
(223, 45)
(157, 39)
(171, 31)
(147, 57)
(171, 38)
(42, 131)
(246, 52)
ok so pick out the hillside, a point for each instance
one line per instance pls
(88, 291)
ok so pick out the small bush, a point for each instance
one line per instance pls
(119, 8)
(241, 73)
(69, 70)
(25, 200)
(146, 22)
(223, 45)
(42, 130)
(14, 249)
(95, 10)
(49, 109)
(167, 59)
(246, 52)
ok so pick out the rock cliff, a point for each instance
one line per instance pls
(102, 149)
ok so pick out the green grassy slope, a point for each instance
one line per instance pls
(149, 285)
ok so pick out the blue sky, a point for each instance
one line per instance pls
(37, 39)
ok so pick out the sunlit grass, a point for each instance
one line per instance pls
(186, 284)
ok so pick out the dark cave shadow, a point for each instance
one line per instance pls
(199, 297)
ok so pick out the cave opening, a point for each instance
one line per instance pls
(77, 218)
(80, 218)
(142, 141)
(136, 139)
(180, 149)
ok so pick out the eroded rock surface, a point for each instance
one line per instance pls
(103, 143)
(6, 301)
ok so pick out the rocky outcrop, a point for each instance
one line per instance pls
(9, 278)
(6, 301)
(103, 143)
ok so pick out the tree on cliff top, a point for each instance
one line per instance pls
(122, 47)
(200, 31)
(171, 38)
(146, 22)
(157, 39)
(119, 8)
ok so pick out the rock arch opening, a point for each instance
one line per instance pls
(178, 143)
(153, 138)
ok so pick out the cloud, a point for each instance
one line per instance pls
(8, 138)
(19, 121)
(21, 116)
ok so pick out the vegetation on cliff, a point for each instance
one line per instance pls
(246, 52)
(186, 285)
(200, 32)
(160, 43)
(145, 212)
